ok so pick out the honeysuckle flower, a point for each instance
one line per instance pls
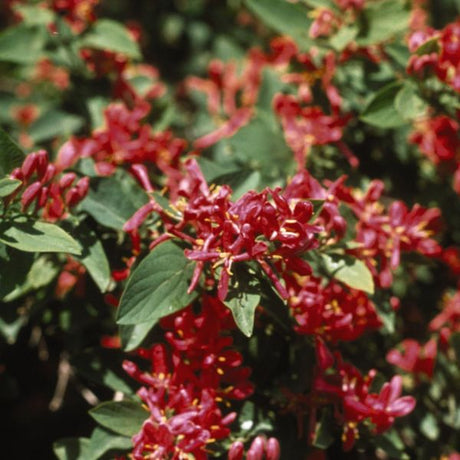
(53, 194)
(438, 138)
(124, 140)
(77, 13)
(443, 62)
(305, 127)
(331, 311)
(265, 227)
(414, 357)
(46, 71)
(384, 234)
(350, 392)
(231, 95)
(448, 320)
(186, 383)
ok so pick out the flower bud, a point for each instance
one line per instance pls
(30, 193)
(66, 180)
(41, 163)
(257, 449)
(236, 451)
(83, 187)
(49, 173)
(43, 197)
(140, 173)
(17, 174)
(29, 165)
(273, 450)
(324, 357)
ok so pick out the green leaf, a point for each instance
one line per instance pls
(269, 86)
(22, 44)
(344, 37)
(284, 17)
(350, 271)
(388, 317)
(11, 156)
(324, 437)
(429, 427)
(383, 20)
(11, 322)
(430, 46)
(35, 236)
(132, 335)
(321, 4)
(392, 444)
(123, 417)
(111, 36)
(54, 123)
(104, 441)
(408, 103)
(34, 14)
(381, 111)
(71, 448)
(8, 186)
(455, 342)
(243, 298)
(14, 267)
(41, 273)
(242, 182)
(112, 200)
(96, 106)
(260, 145)
(158, 286)
(93, 256)
(399, 52)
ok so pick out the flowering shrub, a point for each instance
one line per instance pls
(230, 229)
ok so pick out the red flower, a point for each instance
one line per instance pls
(229, 94)
(438, 138)
(413, 357)
(54, 194)
(448, 321)
(344, 385)
(330, 311)
(306, 127)
(187, 382)
(384, 235)
(124, 140)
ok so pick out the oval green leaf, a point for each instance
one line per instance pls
(158, 286)
(122, 417)
(27, 235)
(8, 186)
(350, 271)
(381, 111)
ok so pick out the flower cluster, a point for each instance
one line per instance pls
(343, 385)
(328, 20)
(385, 234)
(124, 140)
(258, 229)
(440, 56)
(255, 227)
(439, 139)
(332, 311)
(77, 13)
(412, 357)
(261, 448)
(190, 378)
(224, 89)
(53, 193)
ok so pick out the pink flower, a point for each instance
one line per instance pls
(350, 391)
(413, 357)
